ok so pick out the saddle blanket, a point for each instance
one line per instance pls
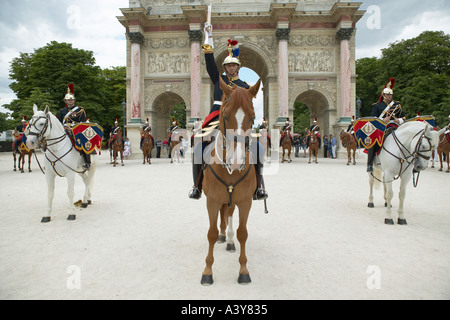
(430, 119)
(369, 131)
(87, 137)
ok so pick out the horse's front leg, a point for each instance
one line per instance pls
(349, 156)
(70, 193)
(402, 196)
(121, 158)
(242, 235)
(213, 235)
(388, 195)
(50, 194)
(354, 156)
(371, 184)
(14, 155)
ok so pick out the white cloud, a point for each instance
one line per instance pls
(426, 21)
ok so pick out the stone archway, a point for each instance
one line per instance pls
(161, 109)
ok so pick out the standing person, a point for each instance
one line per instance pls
(325, 146)
(158, 147)
(333, 144)
(127, 148)
(231, 66)
(390, 112)
(70, 115)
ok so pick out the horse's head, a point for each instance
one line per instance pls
(39, 127)
(236, 120)
(424, 143)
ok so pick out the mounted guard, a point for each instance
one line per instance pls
(87, 137)
(147, 128)
(387, 115)
(231, 66)
(20, 138)
(315, 129)
(286, 129)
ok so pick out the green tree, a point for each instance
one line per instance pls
(301, 117)
(421, 68)
(47, 71)
(179, 114)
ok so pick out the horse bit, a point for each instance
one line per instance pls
(413, 156)
(44, 141)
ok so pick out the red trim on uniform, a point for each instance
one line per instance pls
(211, 116)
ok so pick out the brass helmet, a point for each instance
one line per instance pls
(233, 53)
(70, 92)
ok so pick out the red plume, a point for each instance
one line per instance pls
(70, 88)
(391, 84)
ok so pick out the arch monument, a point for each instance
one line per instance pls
(303, 50)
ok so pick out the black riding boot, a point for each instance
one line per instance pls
(87, 160)
(196, 191)
(260, 193)
(370, 157)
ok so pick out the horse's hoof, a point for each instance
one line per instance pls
(231, 247)
(84, 205)
(16, 170)
(122, 164)
(45, 219)
(89, 202)
(348, 164)
(222, 238)
(71, 217)
(402, 222)
(244, 279)
(438, 170)
(388, 221)
(371, 205)
(207, 280)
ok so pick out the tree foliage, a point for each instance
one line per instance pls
(41, 78)
(420, 66)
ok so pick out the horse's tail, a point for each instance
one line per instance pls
(378, 175)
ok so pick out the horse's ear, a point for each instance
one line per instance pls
(227, 90)
(35, 108)
(254, 90)
(46, 109)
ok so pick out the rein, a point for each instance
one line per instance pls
(53, 141)
(406, 158)
(230, 187)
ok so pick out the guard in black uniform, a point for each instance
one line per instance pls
(71, 114)
(231, 66)
(390, 112)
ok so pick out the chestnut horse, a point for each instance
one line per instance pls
(117, 146)
(23, 151)
(147, 146)
(286, 145)
(229, 177)
(313, 145)
(349, 142)
(443, 148)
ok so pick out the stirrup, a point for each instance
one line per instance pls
(195, 193)
(369, 168)
(260, 194)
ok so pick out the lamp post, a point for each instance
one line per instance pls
(124, 108)
(358, 108)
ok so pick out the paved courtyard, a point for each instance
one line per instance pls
(142, 238)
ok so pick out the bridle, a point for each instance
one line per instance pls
(224, 141)
(40, 134)
(408, 157)
(230, 187)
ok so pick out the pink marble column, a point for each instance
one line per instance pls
(283, 74)
(195, 36)
(136, 39)
(345, 35)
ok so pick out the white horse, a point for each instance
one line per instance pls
(405, 152)
(61, 158)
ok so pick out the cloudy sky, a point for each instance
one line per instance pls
(26, 25)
